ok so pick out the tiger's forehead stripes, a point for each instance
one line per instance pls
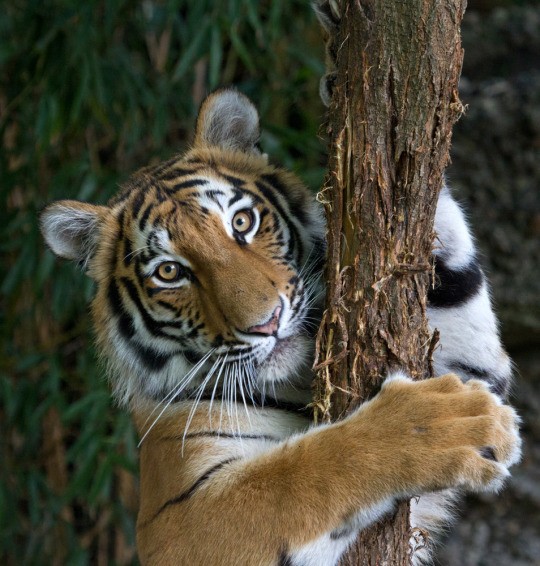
(236, 169)
(216, 189)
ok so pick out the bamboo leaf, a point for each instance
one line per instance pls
(242, 50)
(192, 53)
(216, 55)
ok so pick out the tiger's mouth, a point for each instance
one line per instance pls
(273, 347)
(273, 352)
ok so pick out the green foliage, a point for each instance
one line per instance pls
(90, 91)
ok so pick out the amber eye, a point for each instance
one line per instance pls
(169, 271)
(242, 221)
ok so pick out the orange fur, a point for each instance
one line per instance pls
(411, 438)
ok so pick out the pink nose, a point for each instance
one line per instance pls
(270, 327)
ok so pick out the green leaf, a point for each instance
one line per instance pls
(216, 56)
(242, 50)
(192, 53)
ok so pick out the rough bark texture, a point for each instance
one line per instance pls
(394, 104)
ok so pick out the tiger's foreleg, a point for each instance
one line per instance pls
(276, 502)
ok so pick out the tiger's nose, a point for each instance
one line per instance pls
(268, 328)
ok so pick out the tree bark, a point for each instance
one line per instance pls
(393, 106)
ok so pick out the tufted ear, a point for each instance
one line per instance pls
(71, 228)
(229, 120)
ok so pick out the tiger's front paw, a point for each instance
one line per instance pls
(452, 434)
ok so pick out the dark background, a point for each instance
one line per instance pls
(91, 91)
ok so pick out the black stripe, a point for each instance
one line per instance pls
(189, 492)
(145, 215)
(169, 307)
(152, 360)
(218, 341)
(161, 195)
(186, 185)
(194, 332)
(326, 16)
(295, 206)
(284, 559)
(475, 372)
(256, 400)
(153, 326)
(256, 198)
(128, 251)
(454, 287)
(497, 385)
(121, 197)
(295, 240)
(213, 194)
(342, 532)
(117, 241)
(125, 321)
(150, 324)
(137, 203)
(173, 173)
(191, 356)
(234, 181)
(139, 269)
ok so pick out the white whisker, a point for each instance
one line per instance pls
(176, 389)
(274, 389)
(223, 395)
(238, 428)
(229, 395)
(214, 393)
(251, 380)
(199, 393)
(241, 385)
(171, 396)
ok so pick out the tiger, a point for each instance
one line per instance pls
(208, 291)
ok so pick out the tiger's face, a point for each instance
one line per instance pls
(206, 266)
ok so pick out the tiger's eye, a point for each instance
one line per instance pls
(242, 221)
(168, 271)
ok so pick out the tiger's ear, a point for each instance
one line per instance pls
(228, 120)
(71, 228)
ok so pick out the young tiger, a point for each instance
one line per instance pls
(207, 273)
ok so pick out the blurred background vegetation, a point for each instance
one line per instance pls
(91, 91)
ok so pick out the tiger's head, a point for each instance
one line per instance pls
(203, 263)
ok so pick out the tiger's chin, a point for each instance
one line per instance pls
(289, 361)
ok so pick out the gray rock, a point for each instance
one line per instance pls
(496, 173)
(496, 161)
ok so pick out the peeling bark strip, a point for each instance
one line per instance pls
(394, 103)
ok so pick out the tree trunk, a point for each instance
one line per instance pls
(394, 103)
